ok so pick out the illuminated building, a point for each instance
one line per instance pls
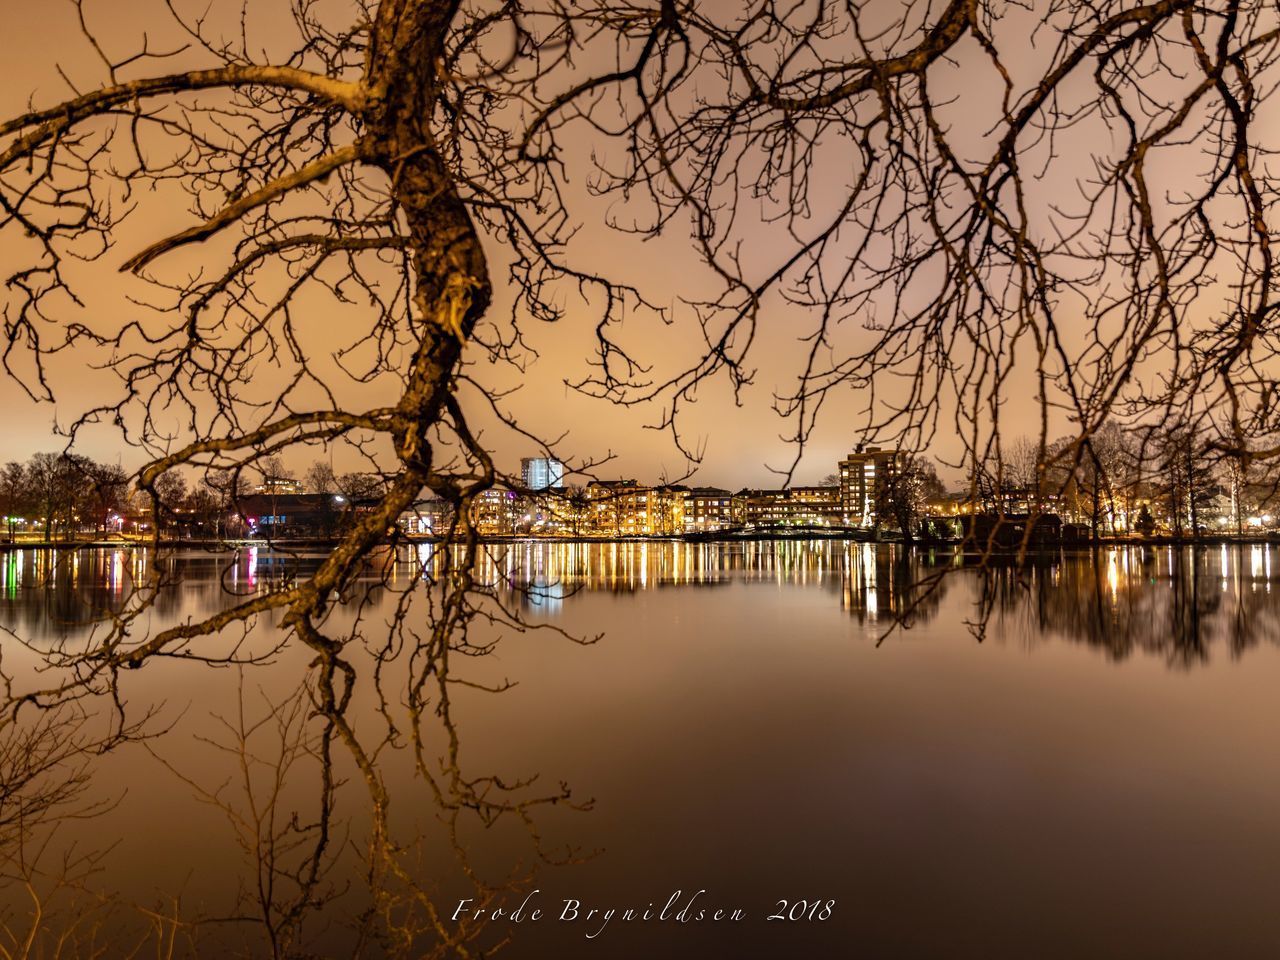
(707, 510)
(666, 510)
(279, 485)
(792, 507)
(426, 518)
(542, 473)
(292, 514)
(605, 507)
(495, 511)
(861, 475)
(623, 508)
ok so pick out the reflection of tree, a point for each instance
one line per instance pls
(293, 805)
(43, 774)
(1169, 603)
(302, 762)
(283, 827)
(62, 593)
(1194, 599)
(46, 759)
(1122, 600)
(65, 589)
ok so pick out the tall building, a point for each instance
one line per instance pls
(542, 473)
(861, 475)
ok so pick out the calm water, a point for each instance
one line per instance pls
(1078, 760)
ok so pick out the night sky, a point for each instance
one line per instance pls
(740, 442)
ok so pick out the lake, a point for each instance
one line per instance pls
(1074, 759)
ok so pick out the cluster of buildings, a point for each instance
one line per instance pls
(872, 489)
(545, 505)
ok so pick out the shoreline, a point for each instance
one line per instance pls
(324, 543)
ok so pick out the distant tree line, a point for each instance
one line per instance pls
(64, 493)
(63, 497)
(1125, 480)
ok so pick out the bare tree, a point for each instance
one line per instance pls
(378, 163)
(105, 493)
(273, 470)
(902, 492)
(15, 496)
(1184, 478)
(55, 485)
(170, 493)
(320, 478)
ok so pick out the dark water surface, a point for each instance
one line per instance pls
(1094, 773)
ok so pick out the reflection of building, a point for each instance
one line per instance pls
(862, 473)
(861, 580)
(556, 571)
(886, 582)
(542, 473)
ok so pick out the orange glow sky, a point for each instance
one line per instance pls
(740, 441)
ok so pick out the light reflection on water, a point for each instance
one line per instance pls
(1179, 601)
(746, 726)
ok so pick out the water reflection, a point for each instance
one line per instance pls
(1173, 602)
(43, 591)
(740, 684)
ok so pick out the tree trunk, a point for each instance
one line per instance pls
(452, 279)
(1191, 492)
(1095, 509)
